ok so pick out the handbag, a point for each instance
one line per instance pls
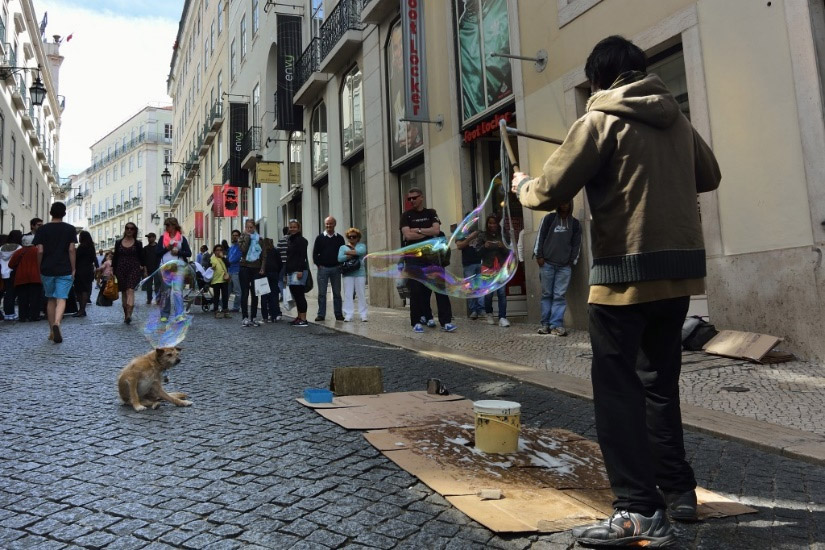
(309, 284)
(286, 299)
(350, 265)
(111, 290)
(262, 286)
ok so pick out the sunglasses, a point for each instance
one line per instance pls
(352, 236)
(414, 197)
(131, 228)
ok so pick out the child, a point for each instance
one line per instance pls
(220, 282)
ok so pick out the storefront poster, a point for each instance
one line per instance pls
(415, 60)
(238, 125)
(482, 28)
(198, 224)
(268, 172)
(406, 136)
(217, 201)
(288, 116)
(230, 201)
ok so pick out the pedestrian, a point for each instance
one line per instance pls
(641, 164)
(281, 247)
(151, 261)
(173, 247)
(493, 257)
(270, 303)
(55, 243)
(205, 258)
(252, 267)
(354, 280)
(86, 265)
(103, 273)
(220, 283)
(469, 246)
(556, 251)
(234, 259)
(297, 271)
(34, 225)
(129, 268)
(417, 225)
(14, 242)
(28, 286)
(325, 258)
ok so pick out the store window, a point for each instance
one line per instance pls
(296, 152)
(485, 82)
(407, 137)
(669, 65)
(352, 113)
(323, 205)
(358, 198)
(406, 181)
(320, 145)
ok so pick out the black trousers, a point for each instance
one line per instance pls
(220, 291)
(247, 276)
(28, 301)
(637, 360)
(298, 295)
(420, 304)
(152, 286)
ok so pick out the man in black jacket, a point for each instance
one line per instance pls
(151, 260)
(325, 258)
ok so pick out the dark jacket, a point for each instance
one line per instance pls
(117, 253)
(272, 265)
(184, 252)
(151, 258)
(558, 248)
(296, 253)
(325, 250)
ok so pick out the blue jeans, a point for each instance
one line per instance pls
(235, 288)
(554, 282)
(474, 304)
(331, 275)
(502, 302)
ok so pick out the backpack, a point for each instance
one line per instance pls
(696, 332)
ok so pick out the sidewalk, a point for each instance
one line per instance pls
(777, 408)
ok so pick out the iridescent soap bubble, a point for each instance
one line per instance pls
(424, 261)
(167, 319)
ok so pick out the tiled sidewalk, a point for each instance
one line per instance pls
(777, 407)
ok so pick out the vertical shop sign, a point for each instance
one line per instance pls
(482, 29)
(415, 60)
(198, 224)
(288, 116)
(230, 201)
(217, 201)
(238, 113)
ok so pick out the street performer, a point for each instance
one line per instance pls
(641, 164)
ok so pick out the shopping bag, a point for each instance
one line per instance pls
(262, 286)
(287, 303)
(111, 290)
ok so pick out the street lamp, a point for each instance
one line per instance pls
(37, 90)
(166, 178)
(155, 217)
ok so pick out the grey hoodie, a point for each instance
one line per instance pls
(641, 163)
(5, 255)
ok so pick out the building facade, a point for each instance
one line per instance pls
(29, 133)
(125, 176)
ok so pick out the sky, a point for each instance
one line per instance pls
(116, 63)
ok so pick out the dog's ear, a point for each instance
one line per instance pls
(159, 352)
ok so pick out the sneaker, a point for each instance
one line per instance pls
(347, 319)
(294, 322)
(226, 315)
(418, 328)
(254, 323)
(490, 319)
(269, 320)
(449, 327)
(318, 319)
(364, 320)
(57, 337)
(164, 319)
(431, 323)
(423, 320)
(12, 317)
(544, 329)
(625, 528)
(245, 322)
(279, 318)
(558, 331)
(681, 506)
(474, 315)
(301, 323)
(218, 315)
(503, 322)
(339, 318)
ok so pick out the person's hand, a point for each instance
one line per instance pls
(174, 251)
(299, 275)
(261, 272)
(540, 261)
(517, 177)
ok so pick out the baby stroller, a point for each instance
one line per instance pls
(204, 294)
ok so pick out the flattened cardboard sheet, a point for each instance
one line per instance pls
(712, 505)
(370, 400)
(741, 345)
(391, 410)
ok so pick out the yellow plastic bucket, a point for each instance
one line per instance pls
(498, 424)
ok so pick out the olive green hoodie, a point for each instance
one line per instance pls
(642, 164)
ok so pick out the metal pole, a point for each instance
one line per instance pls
(514, 132)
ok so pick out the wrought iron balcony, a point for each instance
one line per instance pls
(341, 35)
(309, 80)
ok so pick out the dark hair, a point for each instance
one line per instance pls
(34, 221)
(204, 248)
(611, 57)
(85, 239)
(58, 210)
(285, 230)
(415, 190)
(15, 237)
(217, 245)
(151, 236)
(225, 245)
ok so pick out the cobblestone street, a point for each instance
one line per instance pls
(248, 467)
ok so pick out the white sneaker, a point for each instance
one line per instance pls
(245, 322)
(490, 319)
(474, 315)
(503, 322)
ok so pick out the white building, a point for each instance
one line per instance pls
(30, 110)
(125, 175)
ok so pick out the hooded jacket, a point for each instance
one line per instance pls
(642, 164)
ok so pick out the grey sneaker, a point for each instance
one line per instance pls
(245, 323)
(431, 323)
(681, 506)
(544, 329)
(625, 528)
(558, 331)
(474, 315)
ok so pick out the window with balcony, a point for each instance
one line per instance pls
(358, 198)
(220, 17)
(167, 131)
(256, 105)
(2, 137)
(352, 113)
(233, 63)
(114, 174)
(254, 17)
(140, 159)
(167, 156)
(320, 145)
(122, 168)
(296, 153)
(212, 37)
(407, 137)
(13, 158)
(131, 163)
(139, 189)
(108, 177)
(243, 37)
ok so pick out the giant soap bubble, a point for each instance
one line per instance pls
(168, 318)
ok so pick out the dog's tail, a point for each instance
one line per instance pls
(123, 390)
(178, 394)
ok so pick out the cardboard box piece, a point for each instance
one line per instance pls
(357, 381)
(747, 345)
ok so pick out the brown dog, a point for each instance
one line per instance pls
(139, 383)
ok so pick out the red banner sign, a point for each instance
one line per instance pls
(486, 127)
(230, 201)
(415, 67)
(198, 224)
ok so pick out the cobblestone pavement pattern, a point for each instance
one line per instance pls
(248, 467)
